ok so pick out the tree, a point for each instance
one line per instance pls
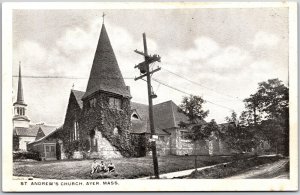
(202, 132)
(253, 107)
(233, 117)
(268, 112)
(192, 107)
(238, 136)
(274, 98)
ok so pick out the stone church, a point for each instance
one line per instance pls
(102, 122)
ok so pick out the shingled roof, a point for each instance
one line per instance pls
(25, 132)
(140, 127)
(32, 130)
(105, 74)
(78, 95)
(166, 116)
(141, 109)
(53, 131)
(44, 130)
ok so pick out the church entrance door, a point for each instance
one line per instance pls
(50, 151)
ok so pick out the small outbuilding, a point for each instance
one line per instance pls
(48, 146)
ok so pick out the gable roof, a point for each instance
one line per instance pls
(32, 130)
(48, 135)
(78, 96)
(141, 109)
(105, 73)
(25, 132)
(166, 116)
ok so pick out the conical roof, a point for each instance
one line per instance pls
(105, 74)
(20, 97)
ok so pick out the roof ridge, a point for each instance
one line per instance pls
(163, 102)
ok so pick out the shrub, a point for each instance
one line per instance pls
(21, 155)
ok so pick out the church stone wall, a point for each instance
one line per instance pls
(104, 148)
(106, 119)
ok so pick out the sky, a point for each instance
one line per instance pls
(220, 54)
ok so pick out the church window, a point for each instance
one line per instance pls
(94, 142)
(117, 130)
(92, 103)
(134, 116)
(115, 103)
(18, 111)
(76, 133)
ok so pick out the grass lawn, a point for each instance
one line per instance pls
(128, 168)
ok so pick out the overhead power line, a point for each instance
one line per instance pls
(174, 88)
(68, 77)
(156, 80)
(196, 83)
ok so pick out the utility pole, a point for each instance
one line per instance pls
(145, 72)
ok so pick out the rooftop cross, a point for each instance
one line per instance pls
(103, 15)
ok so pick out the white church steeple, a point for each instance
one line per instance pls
(20, 119)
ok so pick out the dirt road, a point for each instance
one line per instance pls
(278, 169)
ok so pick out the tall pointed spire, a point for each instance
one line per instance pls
(105, 74)
(20, 97)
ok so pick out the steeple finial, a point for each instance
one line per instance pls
(103, 15)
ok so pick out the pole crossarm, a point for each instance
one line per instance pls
(144, 75)
(141, 53)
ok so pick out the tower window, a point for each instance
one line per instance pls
(93, 102)
(115, 103)
(117, 130)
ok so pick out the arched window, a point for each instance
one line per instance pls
(117, 130)
(115, 103)
(134, 116)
